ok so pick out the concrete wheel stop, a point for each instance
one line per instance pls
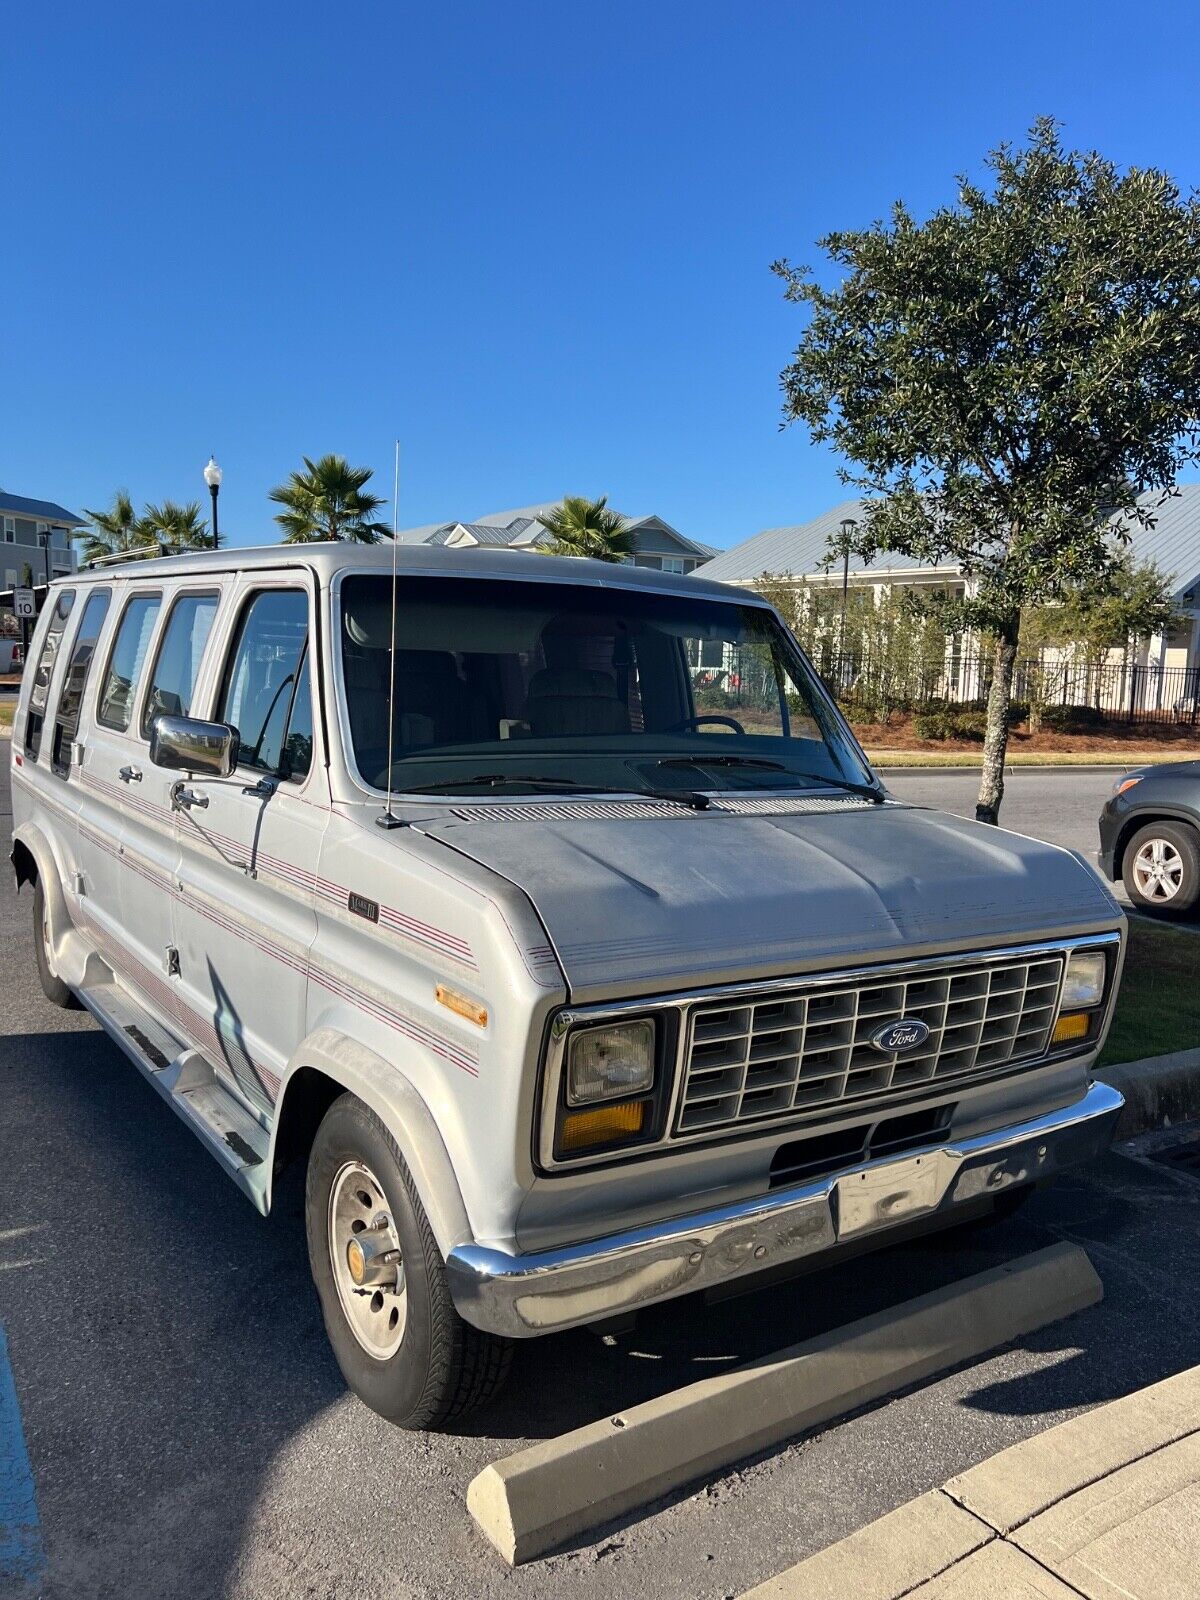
(529, 1503)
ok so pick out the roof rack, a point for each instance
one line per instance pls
(141, 552)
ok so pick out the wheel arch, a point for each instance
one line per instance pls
(1138, 820)
(34, 861)
(330, 1063)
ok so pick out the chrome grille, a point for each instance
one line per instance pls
(787, 1052)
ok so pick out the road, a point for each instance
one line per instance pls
(190, 1437)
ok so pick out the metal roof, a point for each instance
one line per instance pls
(43, 510)
(328, 557)
(517, 525)
(803, 551)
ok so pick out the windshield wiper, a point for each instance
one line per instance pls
(493, 780)
(721, 761)
(867, 790)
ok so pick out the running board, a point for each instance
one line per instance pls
(188, 1083)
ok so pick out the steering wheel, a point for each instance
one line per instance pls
(690, 723)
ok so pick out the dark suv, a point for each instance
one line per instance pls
(1150, 837)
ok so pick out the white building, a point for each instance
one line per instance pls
(802, 553)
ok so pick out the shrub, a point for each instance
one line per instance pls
(1072, 719)
(951, 722)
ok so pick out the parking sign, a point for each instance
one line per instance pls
(23, 603)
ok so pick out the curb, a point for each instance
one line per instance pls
(1159, 1091)
(537, 1499)
(1042, 1511)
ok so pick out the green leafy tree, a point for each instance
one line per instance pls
(117, 531)
(327, 501)
(582, 527)
(1006, 376)
(182, 527)
(1131, 602)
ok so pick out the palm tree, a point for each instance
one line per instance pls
(326, 501)
(181, 527)
(583, 527)
(116, 531)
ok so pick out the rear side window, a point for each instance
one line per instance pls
(178, 663)
(267, 694)
(125, 662)
(44, 671)
(66, 722)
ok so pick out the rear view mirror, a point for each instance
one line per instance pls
(186, 744)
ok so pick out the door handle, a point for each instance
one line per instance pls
(130, 775)
(182, 798)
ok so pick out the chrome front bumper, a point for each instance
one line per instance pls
(524, 1295)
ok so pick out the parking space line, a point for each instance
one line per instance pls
(22, 1557)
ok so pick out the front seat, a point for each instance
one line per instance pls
(428, 686)
(566, 701)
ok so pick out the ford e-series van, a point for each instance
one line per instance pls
(549, 912)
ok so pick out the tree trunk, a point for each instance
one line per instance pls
(991, 783)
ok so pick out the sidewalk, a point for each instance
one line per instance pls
(1106, 1505)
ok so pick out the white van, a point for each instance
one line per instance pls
(550, 913)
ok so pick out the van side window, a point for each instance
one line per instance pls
(36, 714)
(66, 720)
(179, 655)
(125, 662)
(267, 694)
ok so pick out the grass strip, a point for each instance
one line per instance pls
(1158, 1008)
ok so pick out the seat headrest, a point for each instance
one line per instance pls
(426, 663)
(559, 683)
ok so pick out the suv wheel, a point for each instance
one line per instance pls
(53, 987)
(1161, 868)
(400, 1343)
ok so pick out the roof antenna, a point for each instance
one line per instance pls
(389, 818)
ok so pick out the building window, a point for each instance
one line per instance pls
(673, 564)
(10, 530)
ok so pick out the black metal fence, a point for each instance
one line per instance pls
(1058, 693)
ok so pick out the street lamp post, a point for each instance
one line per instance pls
(212, 477)
(848, 528)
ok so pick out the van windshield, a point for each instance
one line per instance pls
(499, 683)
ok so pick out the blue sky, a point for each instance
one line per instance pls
(530, 239)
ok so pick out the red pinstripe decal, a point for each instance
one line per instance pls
(412, 1029)
(401, 922)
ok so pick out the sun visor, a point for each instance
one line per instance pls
(487, 630)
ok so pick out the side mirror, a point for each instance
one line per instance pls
(185, 744)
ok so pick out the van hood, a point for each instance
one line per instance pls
(634, 905)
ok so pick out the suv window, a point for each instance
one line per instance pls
(66, 722)
(125, 662)
(178, 662)
(36, 714)
(267, 694)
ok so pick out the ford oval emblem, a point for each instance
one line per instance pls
(894, 1038)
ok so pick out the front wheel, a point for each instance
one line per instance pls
(400, 1343)
(1161, 868)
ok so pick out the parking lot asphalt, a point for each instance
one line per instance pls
(190, 1436)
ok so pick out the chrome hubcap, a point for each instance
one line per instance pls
(368, 1267)
(1158, 870)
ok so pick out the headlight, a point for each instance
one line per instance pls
(1125, 783)
(614, 1061)
(1083, 984)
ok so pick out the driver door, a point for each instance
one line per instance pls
(250, 847)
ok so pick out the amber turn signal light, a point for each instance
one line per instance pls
(1074, 1025)
(582, 1129)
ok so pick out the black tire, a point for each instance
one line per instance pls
(53, 987)
(1180, 845)
(443, 1368)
